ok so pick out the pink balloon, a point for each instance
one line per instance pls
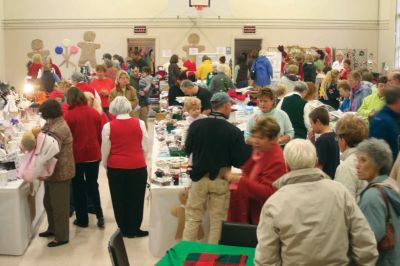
(73, 49)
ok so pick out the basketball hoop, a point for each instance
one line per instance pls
(199, 7)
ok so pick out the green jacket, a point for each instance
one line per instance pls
(374, 208)
(371, 103)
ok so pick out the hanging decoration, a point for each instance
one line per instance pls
(66, 50)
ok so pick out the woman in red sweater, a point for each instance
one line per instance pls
(124, 150)
(264, 167)
(85, 124)
(33, 69)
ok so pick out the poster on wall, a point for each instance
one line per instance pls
(221, 50)
(276, 60)
(166, 53)
(193, 51)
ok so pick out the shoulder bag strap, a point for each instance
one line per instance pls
(385, 198)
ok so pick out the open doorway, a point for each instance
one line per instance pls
(245, 46)
(146, 47)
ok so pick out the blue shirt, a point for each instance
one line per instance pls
(345, 106)
(385, 125)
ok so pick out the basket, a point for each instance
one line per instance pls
(160, 116)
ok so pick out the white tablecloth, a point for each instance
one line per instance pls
(163, 224)
(16, 226)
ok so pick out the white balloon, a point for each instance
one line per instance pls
(66, 42)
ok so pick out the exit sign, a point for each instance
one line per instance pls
(249, 29)
(140, 29)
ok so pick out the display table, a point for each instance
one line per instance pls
(163, 224)
(16, 225)
(177, 254)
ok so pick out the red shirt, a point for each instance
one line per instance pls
(255, 188)
(33, 70)
(83, 86)
(85, 124)
(99, 85)
(191, 67)
(345, 73)
(126, 144)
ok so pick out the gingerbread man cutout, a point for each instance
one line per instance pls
(37, 48)
(193, 41)
(88, 49)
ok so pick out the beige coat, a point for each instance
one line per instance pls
(65, 167)
(346, 173)
(130, 93)
(312, 220)
(395, 174)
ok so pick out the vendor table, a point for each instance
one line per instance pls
(16, 224)
(177, 254)
(163, 224)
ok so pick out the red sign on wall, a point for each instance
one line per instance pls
(140, 29)
(249, 29)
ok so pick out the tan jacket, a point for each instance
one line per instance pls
(395, 174)
(129, 92)
(312, 220)
(65, 167)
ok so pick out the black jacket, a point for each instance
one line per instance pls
(215, 143)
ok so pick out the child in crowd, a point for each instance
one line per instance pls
(344, 92)
(326, 144)
(144, 86)
(344, 75)
(192, 106)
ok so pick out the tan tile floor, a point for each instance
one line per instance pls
(87, 246)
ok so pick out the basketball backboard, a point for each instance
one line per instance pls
(194, 3)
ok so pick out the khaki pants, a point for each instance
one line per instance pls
(215, 195)
(56, 204)
(143, 111)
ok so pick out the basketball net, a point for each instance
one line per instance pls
(199, 8)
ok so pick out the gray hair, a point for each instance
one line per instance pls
(380, 153)
(300, 154)
(77, 77)
(300, 86)
(220, 68)
(108, 63)
(120, 105)
(186, 84)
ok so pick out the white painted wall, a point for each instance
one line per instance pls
(340, 24)
(2, 62)
(282, 9)
(387, 35)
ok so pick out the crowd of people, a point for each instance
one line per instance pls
(321, 193)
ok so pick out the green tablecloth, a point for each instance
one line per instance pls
(176, 255)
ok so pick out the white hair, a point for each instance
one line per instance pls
(120, 105)
(221, 68)
(95, 103)
(300, 154)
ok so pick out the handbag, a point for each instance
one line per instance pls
(389, 240)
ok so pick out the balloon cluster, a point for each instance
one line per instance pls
(66, 44)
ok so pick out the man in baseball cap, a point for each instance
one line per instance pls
(216, 145)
